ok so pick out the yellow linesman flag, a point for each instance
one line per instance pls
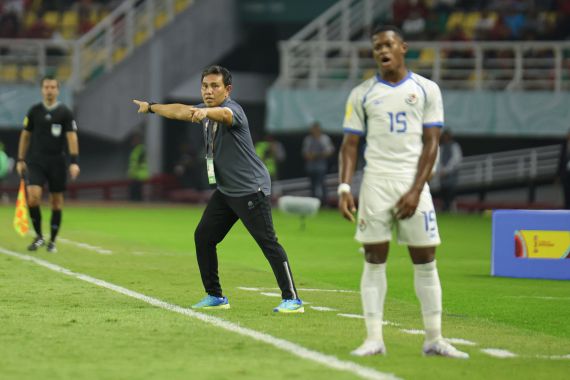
(21, 219)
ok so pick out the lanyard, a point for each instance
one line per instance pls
(210, 129)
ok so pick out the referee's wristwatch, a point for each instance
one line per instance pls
(149, 109)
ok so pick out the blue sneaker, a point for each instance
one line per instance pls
(211, 302)
(290, 306)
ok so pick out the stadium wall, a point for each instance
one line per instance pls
(516, 114)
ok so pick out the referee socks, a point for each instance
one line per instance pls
(36, 216)
(55, 223)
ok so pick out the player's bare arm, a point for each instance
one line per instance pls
(22, 151)
(73, 144)
(408, 203)
(174, 111)
(347, 157)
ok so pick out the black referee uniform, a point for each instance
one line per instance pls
(46, 154)
(46, 160)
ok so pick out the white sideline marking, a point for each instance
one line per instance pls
(277, 295)
(87, 246)
(413, 331)
(351, 315)
(553, 357)
(498, 353)
(542, 298)
(323, 308)
(300, 289)
(461, 341)
(284, 345)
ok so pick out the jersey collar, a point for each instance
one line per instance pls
(380, 80)
(55, 105)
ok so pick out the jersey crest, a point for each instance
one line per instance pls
(56, 130)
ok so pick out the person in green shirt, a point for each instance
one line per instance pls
(271, 153)
(138, 169)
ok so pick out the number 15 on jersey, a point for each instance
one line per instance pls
(398, 122)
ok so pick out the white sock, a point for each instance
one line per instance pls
(373, 288)
(428, 291)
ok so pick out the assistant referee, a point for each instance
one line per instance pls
(49, 128)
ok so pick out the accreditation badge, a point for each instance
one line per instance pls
(210, 169)
(56, 130)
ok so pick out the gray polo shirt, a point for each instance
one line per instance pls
(239, 171)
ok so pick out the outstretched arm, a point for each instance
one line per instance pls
(347, 157)
(184, 112)
(409, 202)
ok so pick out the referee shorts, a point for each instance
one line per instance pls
(52, 170)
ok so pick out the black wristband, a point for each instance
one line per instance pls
(74, 159)
(20, 160)
(150, 104)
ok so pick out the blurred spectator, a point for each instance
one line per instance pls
(414, 26)
(500, 30)
(138, 169)
(272, 153)
(39, 29)
(317, 148)
(450, 156)
(564, 170)
(9, 25)
(485, 25)
(400, 11)
(445, 6)
(515, 22)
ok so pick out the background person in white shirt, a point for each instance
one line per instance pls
(400, 114)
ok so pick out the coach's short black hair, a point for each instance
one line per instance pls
(387, 28)
(216, 69)
(48, 77)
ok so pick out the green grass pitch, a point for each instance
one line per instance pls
(58, 327)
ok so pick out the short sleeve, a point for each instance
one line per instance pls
(433, 109)
(354, 119)
(28, 122)
(237, 112)
(69, 124)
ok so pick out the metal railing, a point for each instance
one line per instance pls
(460, 65)
(512, 167)
(515, 167)
(130, 25)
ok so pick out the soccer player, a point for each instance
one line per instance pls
(400, 113)
(48, 127)
(243, 187)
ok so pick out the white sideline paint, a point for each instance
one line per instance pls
(542, 298)
(553, 357)
(284, 345)
(413, 331)
(87, 246)
(323, 308)
(498, 353)
(299, 289)
(276, 295)
(351, 315)
(460, 341)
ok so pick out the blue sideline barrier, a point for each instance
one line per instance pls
(531, 244)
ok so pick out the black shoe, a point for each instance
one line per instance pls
(51, 248)
(37, 243)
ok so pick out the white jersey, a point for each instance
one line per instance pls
(392, 117)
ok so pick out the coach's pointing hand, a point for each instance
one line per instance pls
(143, 106)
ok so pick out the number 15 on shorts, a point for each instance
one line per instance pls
(430, 224)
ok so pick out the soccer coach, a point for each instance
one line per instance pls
(243, 187)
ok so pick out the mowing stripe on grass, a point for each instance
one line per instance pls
(284, 345)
